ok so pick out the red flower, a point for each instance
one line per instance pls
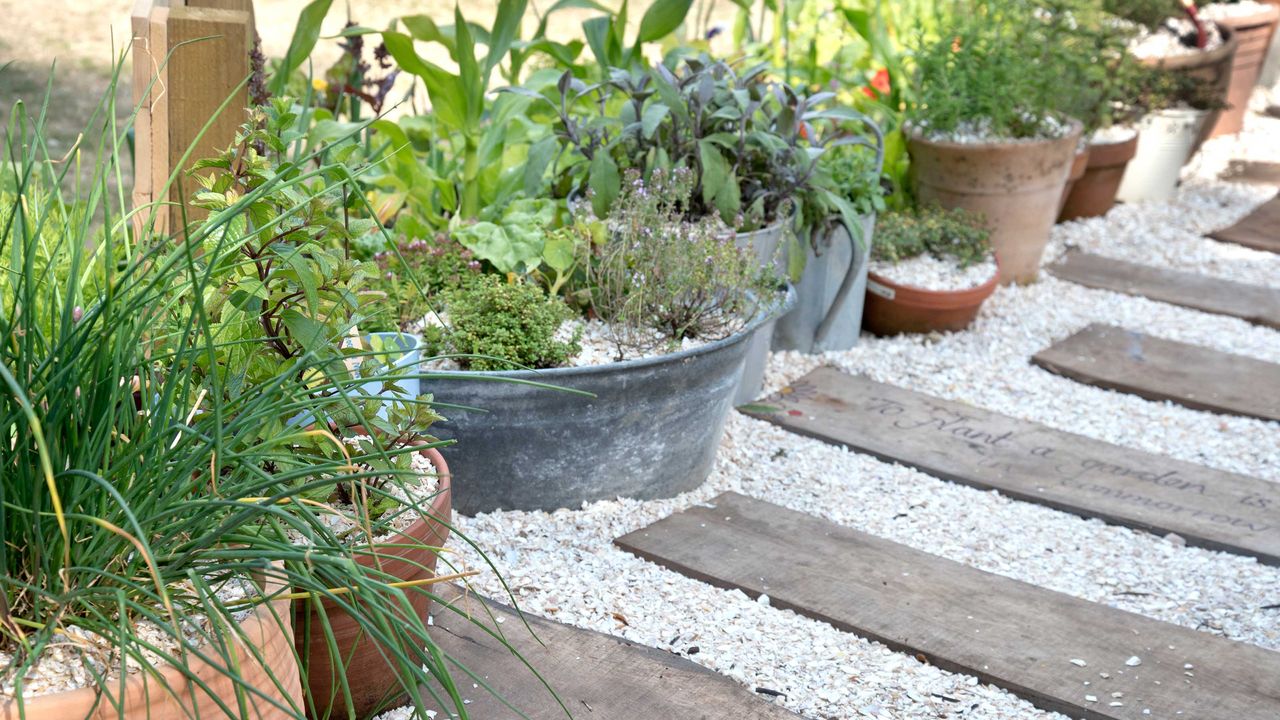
(879, 86)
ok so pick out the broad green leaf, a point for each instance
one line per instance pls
(448, 100)
(558, 254)
(715, 171)
(653, 116)
(661, 19)
(506, 26)
(305, 35)
(423, 28)
(310, 334)
(541, 154)
(604, 183)
(468, 70)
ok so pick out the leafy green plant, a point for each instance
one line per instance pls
(954, 234)
(747, 140)
(411, 273)
(135, 487)
(495, 325)
(660, 271)
(993, 70)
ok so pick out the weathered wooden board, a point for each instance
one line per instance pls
(594, 675)
(1009, 633)
(1032, 462)
(1254, 303)
(1252, 171)
(1197, 377)
(1259, 229)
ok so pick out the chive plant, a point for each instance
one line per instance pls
(133, 489)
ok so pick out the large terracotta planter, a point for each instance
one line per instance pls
(1016, 186)
(893, 308)
(1253, 35)
(1078, 166)
(170, 695)
(1212, 67)
(1095, 192)
(375, 685)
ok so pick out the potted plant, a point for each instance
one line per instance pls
(984, 133)
(1174, 38)
(284, 297)
(1253, 24)
(154, 490)
(740, 133)
(637, 354)
(830, 268)
(1176, 111)
(931, 270)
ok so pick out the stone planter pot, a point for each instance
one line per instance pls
(1253, 35)
(1166, 139)
(1095, 192)
(650, 430)
(1016, 186)
(767, 244)
(893, 308)
(829, 296)
(1212, 67)
(1078, 166)
(270, 666)
(375, 685)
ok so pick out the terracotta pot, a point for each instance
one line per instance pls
(1016, 186)
(1253, 35)
(171, 696)
(375, 685)
(1078, 166)
(893, 308)
(1095, 193)
(1212, 67)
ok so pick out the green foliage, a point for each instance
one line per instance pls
(954, 234)
(135, 487)
(411, 272)
(1149, 13)
(996, 66)
(660, 271)
(748, 141)
(1093, 60)
(499, 325)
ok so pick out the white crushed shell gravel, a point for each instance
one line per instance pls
(938, 274)
(1165, 41)
(562, 565)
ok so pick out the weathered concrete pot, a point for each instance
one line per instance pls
(1253, 34)
(1212, 67)
(1078, 166)
(830, 294)
(1015, 185)
(1094, 194)
(651, 431)
(766, 243)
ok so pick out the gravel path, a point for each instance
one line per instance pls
(563, 565)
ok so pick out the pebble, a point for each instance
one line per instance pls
(930, 273)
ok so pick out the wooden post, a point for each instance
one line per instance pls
(189, 57)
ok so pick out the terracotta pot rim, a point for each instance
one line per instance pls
(261, 621)
(1113, 153)
(1191, 61)
(1265, 16)
(920, 297)
(1075, 127)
